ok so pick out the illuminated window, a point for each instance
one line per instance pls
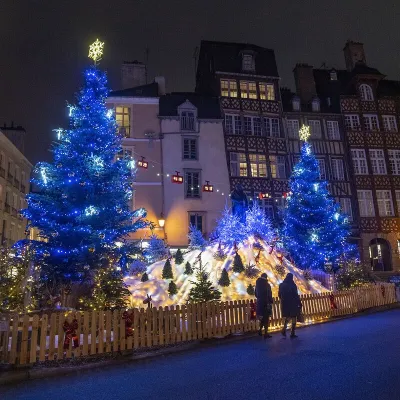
(389, 123)
(278, 166)
(366, 93)
(238, 164)
(359, 161)
(394, 161)
(258, 165)
(228, 88)
(377, 161)
(365, 203)
(123, 120)
(248, 90)
(385, 204)
(371, 122)
(248, 63)
(352, 122)
(267, 91)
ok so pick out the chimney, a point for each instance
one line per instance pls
(160, 80)
(305, 83)
(133, 74)
(353, 54)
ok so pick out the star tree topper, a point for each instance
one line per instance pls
(96, 50)
(304, 133)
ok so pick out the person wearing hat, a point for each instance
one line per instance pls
(264, 303)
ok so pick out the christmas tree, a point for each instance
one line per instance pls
(178, 257)
(250, 290)
(202, 289)
(157, 250)
(230, 230)
(238, 266)
(172, 289)
(145, 277)
(196, 239)
(224, 279)
(167, 270)
(352, 274)
(82, 203)
(314, 231)
(188, 269)
(257, 224)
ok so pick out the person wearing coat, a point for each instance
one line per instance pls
(263, 294)
(290, 303)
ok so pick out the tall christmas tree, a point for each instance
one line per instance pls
(81, 205)
(314, 230)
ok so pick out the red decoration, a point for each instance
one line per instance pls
(383, 291)
(128, 323)
(333, 302)
(70, 333)
(142, 163)
(177, 178)
(207, 187)
(262, 196)
(286, 195)
(253, 313)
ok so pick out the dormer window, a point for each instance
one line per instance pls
(187, 116)
(366, 93)
(296, 104)
(315, 105)
(333, 75)
(248, 63)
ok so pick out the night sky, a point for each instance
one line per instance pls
(44, 45)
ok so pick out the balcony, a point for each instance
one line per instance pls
(7, 208)
(2, 172)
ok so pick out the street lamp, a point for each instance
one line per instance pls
(161, 221)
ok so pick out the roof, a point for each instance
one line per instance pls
(389, 88)
(227, 57)
(207, 106)
(149, 90)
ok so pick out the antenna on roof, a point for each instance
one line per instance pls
(323, 65)
(146, 60)
(195, 57)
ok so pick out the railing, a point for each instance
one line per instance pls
(26, 339)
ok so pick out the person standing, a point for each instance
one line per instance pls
(290, 303)
(263, 294)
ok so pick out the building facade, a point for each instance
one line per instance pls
(246, 79)
(193, 149)
(15, 172)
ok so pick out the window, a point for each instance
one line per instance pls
(248, 63)
(359, 162)
(258, 165)
(190, 148)
(377, 162)
(252, 126)
(321, 169)
(126, 152)
(337, 169)
(365, 203)
(394, 161)
(352, 122)
(333, 75)
(315, 105)
(345, 205)
(233, 124)
(296, 104)
(333, 130)
(248, 90)
(315, 128)
(265, 204)
(267, 91)
(187, 121)
(293, 128)
(238, 164)
(371, 122)
(229, 88)
(123, 120)
(398, 201)
(385, 204)
(278, 167)
(389, 123)
(366, 93)
(192, 184)
(197, 220)
(271, 126)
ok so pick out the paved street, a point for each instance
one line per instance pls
(356, 358)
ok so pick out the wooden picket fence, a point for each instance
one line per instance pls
(26, 339)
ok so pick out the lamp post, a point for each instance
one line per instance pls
(161, 224)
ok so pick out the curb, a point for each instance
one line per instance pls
(17, 375)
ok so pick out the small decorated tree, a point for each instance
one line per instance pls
(352, 274)
(178, 257)
(137, 267)
(230, 230)
(250, 290)
(145, 277)
(167, 270)
(202, 289)
(251, 271)
(172, 289)
(257, 224)
(238, 266)
(224, 279)
(196, 239)
(188, 269)
(157, 250)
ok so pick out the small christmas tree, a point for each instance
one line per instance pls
(109, 291)
(145, 277)
(238, 266)
(251, 271)
(137, 267)
(172, 289)
(188, 269)
(178, 257)
(352, 274)
(196, 239)
(167, 270)
(202, 289)
(157, 250)
(250, 290)
(257, 224)
(230, 229)
(224, 279)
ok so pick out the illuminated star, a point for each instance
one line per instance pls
(304, 133)
(96, 50)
